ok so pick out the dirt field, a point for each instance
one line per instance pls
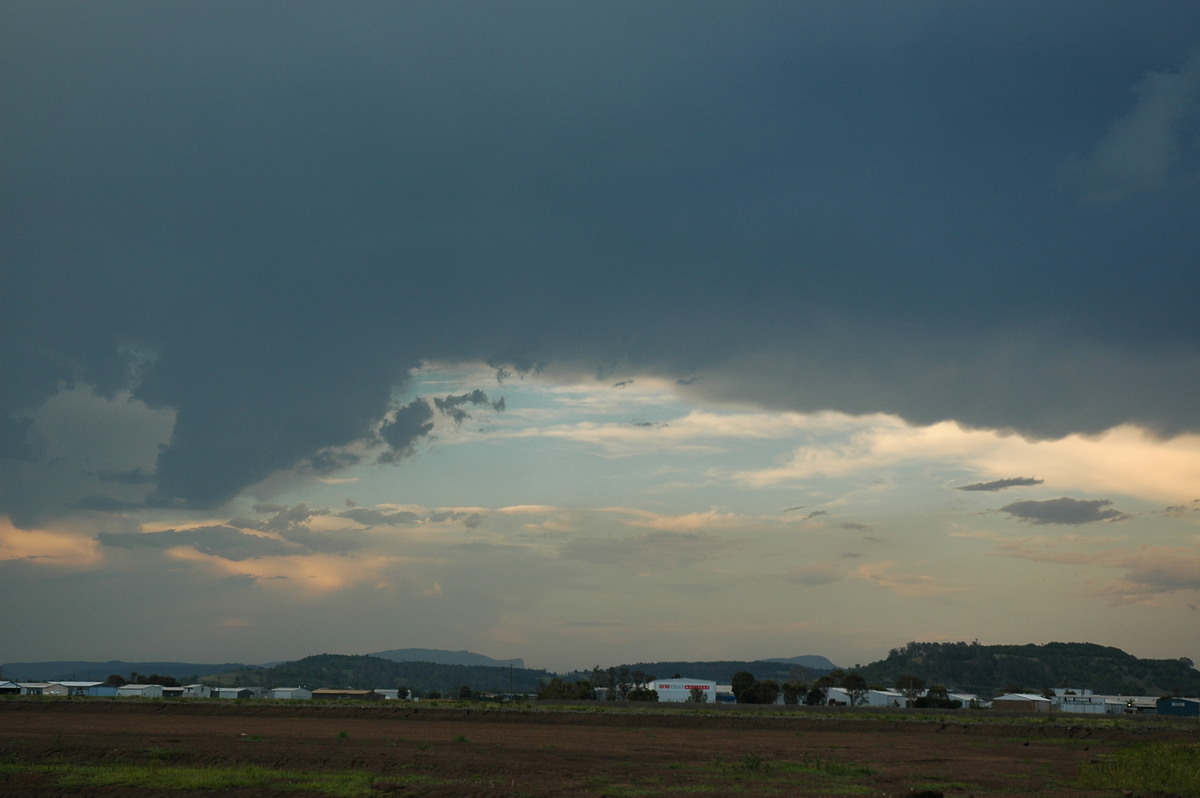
(419, 751)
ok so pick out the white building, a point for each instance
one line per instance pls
(197, 691)
(872, 698)
(681, 689)
(33, 688)
(140, 691)
(69, 688)
(1088, 704)
(240, 692)
(1022, 702)
(291, 693)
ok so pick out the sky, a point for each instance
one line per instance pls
(600, 332)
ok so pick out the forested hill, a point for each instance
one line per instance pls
(340, 671)
(992, 670)
(720, 671)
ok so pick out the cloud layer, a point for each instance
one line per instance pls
(260, 219)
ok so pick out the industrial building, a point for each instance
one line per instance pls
(682, 690)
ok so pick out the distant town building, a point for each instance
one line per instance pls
(70, 688)
(681, 689)
(1022, 702)
(1187, 707)
(346, 695)
(140, 691)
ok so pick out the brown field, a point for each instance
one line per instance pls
(416, 750)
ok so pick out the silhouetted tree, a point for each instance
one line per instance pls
(741, 680)
(764, 692)
(911, 686)
(642, 694)
(855, 687)
(794, 692)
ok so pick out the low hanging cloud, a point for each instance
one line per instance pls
(1065, 511)
(1151, 145)
(543, 198)
(226, 542)
(1001, 484)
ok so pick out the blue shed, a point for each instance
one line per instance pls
(1189, 707)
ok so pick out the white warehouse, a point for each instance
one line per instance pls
(681, 689)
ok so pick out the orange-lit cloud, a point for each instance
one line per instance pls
(313, 574)
(57, 547)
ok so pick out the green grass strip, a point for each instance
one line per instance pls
(1166, 767)
(337, 784)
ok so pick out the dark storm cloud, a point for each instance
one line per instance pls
(404, 428)
(1001, 484)
(132, 476)
(283, 518)
(261, 216)
(1064, 511)
(106, 504)
(369, 516)
(452, 405)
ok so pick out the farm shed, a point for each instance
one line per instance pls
(9, 688)
(238, 692)
(346, 695)
(69, 688)
(681, 689)
(197, 691)
(140, 691)
(1022, 702)
(290, 693)
(1188, 707)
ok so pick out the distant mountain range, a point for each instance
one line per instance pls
(991, 670)
(441, 657)
(986, 670)
(813, 661)
(82, 671)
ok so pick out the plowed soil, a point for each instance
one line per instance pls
(414, 750)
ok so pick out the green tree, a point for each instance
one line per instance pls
(642, 694)
(741, 680)
(794, 692)
(764, 692)
(697, 696)
(911, 686)
(855, 687)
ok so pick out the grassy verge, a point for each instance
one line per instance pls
(1172, 768)
(337, 784)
